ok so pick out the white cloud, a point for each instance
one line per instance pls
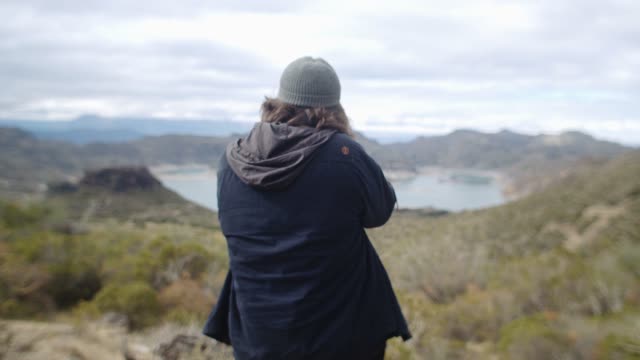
(406, 66)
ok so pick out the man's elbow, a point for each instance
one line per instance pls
(379, 219)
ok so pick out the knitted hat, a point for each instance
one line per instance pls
(309, 82)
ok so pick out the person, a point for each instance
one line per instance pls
(294, 198)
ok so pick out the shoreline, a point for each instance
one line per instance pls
(501, 178)
(183, 171)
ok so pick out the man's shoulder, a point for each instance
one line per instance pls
(343, 146)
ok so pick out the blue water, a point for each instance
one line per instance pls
(424, 190)
(427, 190)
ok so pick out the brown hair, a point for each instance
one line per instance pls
(331, 117)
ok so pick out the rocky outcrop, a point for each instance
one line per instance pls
(61, 187)
(121, 179)
(186, 346)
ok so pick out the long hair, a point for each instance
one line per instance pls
(332, 117)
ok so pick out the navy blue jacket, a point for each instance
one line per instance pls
(304, 280)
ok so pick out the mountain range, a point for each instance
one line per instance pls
(28, 161)
(91, 128)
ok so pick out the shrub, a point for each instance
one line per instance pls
(24, 289)
(477, 316)
(187, 295)
(73, 281)
(445, 268)
(630, 259)
(618, 347)
(183, 317)
(15, 216)
(597, 287)
(85, 310)
(14, 309)
(534, 338)
(137, 300)
(161, 262)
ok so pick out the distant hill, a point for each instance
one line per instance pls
(529, 161)
(28, 162)
(474, 149)
(91, 128)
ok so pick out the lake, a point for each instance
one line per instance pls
(446, 189)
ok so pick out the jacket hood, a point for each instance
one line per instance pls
(272, 156)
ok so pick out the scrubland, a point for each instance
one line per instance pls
(554, 275)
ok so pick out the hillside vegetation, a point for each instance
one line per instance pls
(116, 233)
(555, 275)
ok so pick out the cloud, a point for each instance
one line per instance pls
(406, 66)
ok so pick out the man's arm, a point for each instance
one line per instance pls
(378, 196)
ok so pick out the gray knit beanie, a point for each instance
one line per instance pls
(309, 82)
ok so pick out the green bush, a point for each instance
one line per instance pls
(73, 281)
(16, 216)
(183, 317)
(476, 316)
(619, 347)
(137, 300)
(534, 338)
(161, 262)
(14, 309)
(630, 260)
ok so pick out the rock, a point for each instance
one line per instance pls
(116, 319)
(44, 341)
(137, 352)
(185, 346)
(102, 341)
(61, 187)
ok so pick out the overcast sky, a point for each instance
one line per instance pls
(413, 67)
